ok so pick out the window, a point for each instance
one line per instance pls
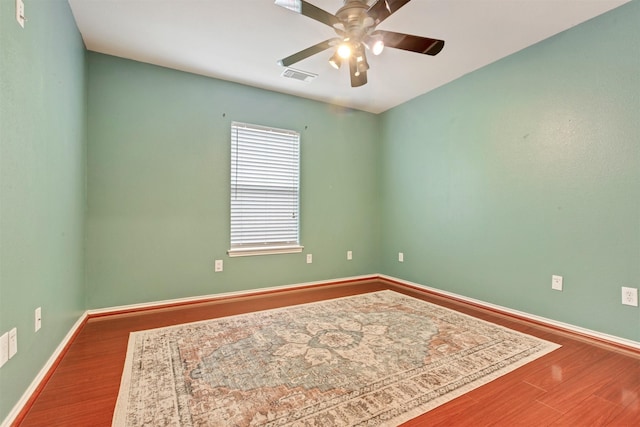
(265, 172)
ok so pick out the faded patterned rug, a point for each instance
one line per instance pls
(380, 358)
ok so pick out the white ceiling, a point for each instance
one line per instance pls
(241, 41)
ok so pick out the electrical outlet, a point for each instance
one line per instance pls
(630, 296)
(13, 342)
(349, 255)
(4, 348)
(38, 319)
(400, 257)
(556, 283)
(309, 258)
(218, 266)
(20, 12)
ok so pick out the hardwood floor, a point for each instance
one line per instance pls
(580, 384)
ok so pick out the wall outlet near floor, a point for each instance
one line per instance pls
(309, 258)
(218, 266)
(4, 348)
(38, 319)
(400, 257)
(20, 12)
(13, 342)
(556, 282)
(349, 255)
(630, 296)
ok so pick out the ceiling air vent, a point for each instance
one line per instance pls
(303, 76)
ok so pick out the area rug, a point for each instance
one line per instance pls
(380, 358)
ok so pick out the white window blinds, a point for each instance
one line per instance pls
(265, 172)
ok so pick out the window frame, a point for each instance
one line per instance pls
(243, 145)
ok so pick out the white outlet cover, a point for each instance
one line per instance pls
(4, 348)
(400, 256)
(309, 258)
(38, 319)
(13, 342)
(630, 296)
(219, 266)
(349, 255)
(20, 12)
(556, 283)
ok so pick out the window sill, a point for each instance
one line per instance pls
(270, 250)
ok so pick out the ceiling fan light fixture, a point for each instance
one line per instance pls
(344, 51)
(362, 64)
(355, 25)
(335, 61)
(375, 43)
(378, 47)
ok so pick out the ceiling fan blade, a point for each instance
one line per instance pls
(303, 54)
(307, 9)
(412, 43)
(382, 9)
(357, 79)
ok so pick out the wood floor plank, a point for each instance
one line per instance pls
(535, 414)
(496, 402)
(630, 416)
(625, 389)
(610, 370)
(563, 365)
(594, 411)
(578, 380)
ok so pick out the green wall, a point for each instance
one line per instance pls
(526, 168)
(158, 185)
(489, 185)
(42, 159)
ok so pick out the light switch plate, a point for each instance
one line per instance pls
(349, 255)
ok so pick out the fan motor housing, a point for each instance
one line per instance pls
(353, 15)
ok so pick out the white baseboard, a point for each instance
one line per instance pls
(15, 411)
(202, 298)
(543, 320)
(599, 336)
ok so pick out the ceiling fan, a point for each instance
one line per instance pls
(355, 24)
